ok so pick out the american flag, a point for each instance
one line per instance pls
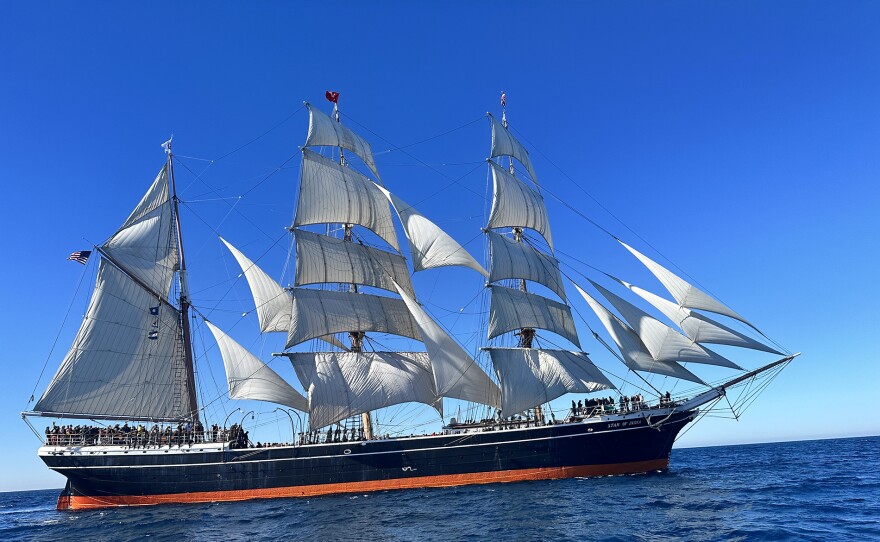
(81, 256)
(503, 99)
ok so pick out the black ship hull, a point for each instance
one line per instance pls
(100, 478)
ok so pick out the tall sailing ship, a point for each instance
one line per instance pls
(132, 358)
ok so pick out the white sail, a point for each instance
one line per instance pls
(331, 193)
(271, 300)
(635, 355)
(686, 294)
(317, 313)
(512, 260)
(124, 357)
(699, 327)
(429, 245)
(516, 205)
(504, 144)
(250, 378)
(324, 131)
(513, 309)
(345, 384)
(455, 373)
(321, 259)
(663, 342)
(530, 377)
(145, 246)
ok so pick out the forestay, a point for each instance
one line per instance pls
(146, 244)
(513, 309)
(663, 342)
(504, 144)
(699, 327)
(124, 358)
(516, 205)
(430, 246)
(633, 352)
(322, 259)
(317, 313)
(455, 373)
(331, 193)
(530, 377)
(686, 294)
(345, 384)
(513, 260)
(324, 131)
(250, 378)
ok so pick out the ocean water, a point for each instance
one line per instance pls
(811, 490)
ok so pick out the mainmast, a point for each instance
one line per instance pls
(184, 297)
(356, 337)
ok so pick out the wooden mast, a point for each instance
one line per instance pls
(356, 337)
(526, 335)
(184, 300)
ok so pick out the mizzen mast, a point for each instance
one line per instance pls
(189, 366)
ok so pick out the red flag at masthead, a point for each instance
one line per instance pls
(332, 96)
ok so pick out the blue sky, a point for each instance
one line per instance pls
(739, 139)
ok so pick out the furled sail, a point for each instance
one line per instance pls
(124, 359)
(271, 301)
(686, 294)
(430, 246)
(321, 258)
(317, 313)
(146, 244)
(530, 377)
(504, 144)
(250, 378)
(635, 355)
(512, 260)
(324, 131)
(663, 342)
(345, 384)
(699, 327)
(455, 373)
(517, 205)
(331, 193)
(514, 309)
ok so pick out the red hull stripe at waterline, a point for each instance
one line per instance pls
(84, 502)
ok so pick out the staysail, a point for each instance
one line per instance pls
(455, 373)
(686, 294)
(663, 342)
(634, 353)
(250, 378)
(698, 327)
(429, 245)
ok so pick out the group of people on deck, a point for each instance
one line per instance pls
(593, 407)
(139, 436)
